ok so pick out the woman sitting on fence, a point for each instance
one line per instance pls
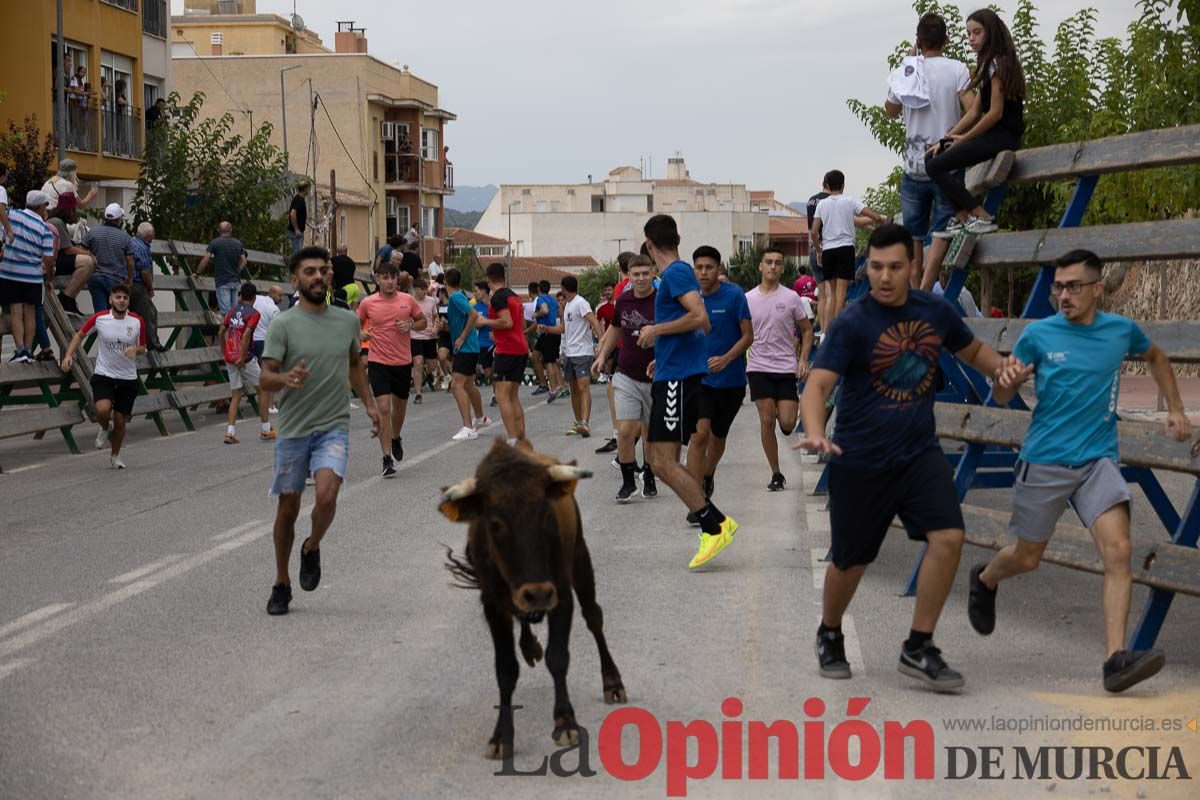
(996, 122)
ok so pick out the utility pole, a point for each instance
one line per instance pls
(283, 117)
(60, 97)
(333, 210)
(510, 243)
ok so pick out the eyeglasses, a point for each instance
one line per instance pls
(1072, 287)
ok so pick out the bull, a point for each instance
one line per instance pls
(525, 554)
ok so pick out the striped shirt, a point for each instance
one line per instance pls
(110, 244)
(143, 260)
(32, 241)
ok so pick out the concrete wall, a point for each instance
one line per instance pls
(249, 37)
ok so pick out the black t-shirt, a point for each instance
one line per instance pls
(411, 263)
(888, 358)
(343, 270)
(301, 213)
(810, 207)
(1013, 118)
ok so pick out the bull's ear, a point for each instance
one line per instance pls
(564, 477)
(460, 502)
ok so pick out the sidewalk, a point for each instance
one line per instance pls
(1139, 393)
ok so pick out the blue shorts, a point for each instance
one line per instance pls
(298, 457)
(919, 201)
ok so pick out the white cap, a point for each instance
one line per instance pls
(36, 199)
(113, 211)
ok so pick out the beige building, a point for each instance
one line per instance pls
(379, 127)
(601, 219)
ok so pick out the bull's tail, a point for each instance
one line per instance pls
(461, 569)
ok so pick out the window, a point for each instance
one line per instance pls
(151, 91)
(555, 205)
(597, 204)
(429, 145)
(681, 205)
(745, 244)
(396, 217)
(541, 207)
(429, 222)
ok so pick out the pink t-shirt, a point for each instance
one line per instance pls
(429, 309)
(389, 345)
(774, 317)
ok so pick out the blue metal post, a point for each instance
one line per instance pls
(1038, 305)
(1159, 601)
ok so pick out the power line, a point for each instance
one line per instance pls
(367, 183)
(237, 106)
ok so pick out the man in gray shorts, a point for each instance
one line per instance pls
(631, 383)
(577, 324)
(1070, 452)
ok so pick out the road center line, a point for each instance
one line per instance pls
(32, 617)
(13, 666)
(134, 574)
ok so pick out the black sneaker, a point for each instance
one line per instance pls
(281, 595)
(625, 493)
(389, 467)
(417, 400)
(981, 603)
(709, 487)
(494, 402)
(608, 447)
(398, 448)
(649, 487)
(777, 482)
(693, 519)
(68, 304)
(310, 568)
(926, 665)
(1125, 668)
(831, 655)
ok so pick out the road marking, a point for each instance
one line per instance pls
(32, 617)
(24, 469)
(13, 666)
(229, 534)
(134, 574)
(853, 649)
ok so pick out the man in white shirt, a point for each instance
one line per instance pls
(920, 199)
(267, 307)
(577, 324)
(964, 297)
(833, 237)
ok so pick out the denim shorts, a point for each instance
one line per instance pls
(817, 274)
(298, 457)
(920, 200)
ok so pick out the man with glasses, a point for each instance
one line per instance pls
(1070, 452)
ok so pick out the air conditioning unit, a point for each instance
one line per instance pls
(392, 207)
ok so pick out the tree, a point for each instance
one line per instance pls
(591, 281)
(29, 156)
(196, 173)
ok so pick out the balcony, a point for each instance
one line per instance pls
(449, 178)
(123, 130)
(82, 129)
(128, 5)
(155, 16)
(401, 168)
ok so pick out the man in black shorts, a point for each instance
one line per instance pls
(723, 387)
(120, 339)
(677, 335)
(886, 459)
(833, 237)
(511, 353)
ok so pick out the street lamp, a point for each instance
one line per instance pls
(283, 115)
(510, 208)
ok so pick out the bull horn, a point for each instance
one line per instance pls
(568, 472)
(458, 491)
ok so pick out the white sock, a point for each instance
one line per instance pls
(230, 430)
(266, 426)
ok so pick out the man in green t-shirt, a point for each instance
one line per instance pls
(311, 359)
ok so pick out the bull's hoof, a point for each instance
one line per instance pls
(497, 752)
(615, 694)
(566, 735)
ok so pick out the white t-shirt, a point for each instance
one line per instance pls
(267, 311)
(3, 197)
(113, 337)
(924, 127)
(577, 333)
(836, 213)
(964, 299)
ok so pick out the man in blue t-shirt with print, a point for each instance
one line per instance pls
(549, 345)
(723, 386)
(464, 340)
(680, 363)
(1070, 452)
(886, 461)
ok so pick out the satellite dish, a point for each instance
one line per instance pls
(297, 22)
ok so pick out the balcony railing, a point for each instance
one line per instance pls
(401, 168)
(155, 16)
(450, 177)
(122, 130)
(128, 5)
(82, 128)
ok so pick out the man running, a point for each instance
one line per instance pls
(512, 353)
(577, 325)
(465, 343)
(549, 338)
(680, 364)
(606, 312)
(234, 337)
(886, 458)
(311, 358)
(392, 315)
(487, 345)
(424, 341)
(724, 384)
(1070, 452)
(773, 367)
(120, 339)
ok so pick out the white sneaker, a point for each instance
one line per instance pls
(353, 406)
(102, 439)
(273, 410)
(978, 227)
(482, 422)
(464, 434)
(116, 463)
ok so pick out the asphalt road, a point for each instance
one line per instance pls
(137, 659)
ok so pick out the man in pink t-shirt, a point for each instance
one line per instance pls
(391, 315)
(775, 362)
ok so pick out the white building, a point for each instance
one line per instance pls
(602, 219)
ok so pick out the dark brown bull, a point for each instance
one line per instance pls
(525, 553)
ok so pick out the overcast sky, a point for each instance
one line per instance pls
(748, 91)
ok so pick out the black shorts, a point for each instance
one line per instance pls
(773, 386)
(549, 344)
(863, 502)
(121, 393)
(465, 364)
(720, 405)
(256, 349)
(64, 264)
(673, 409)
(423, 348)
(838, 262)
(12, 292)
(509, 367)
(389, 379)
(443, 340)
(486, 356)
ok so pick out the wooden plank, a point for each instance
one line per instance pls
(188, 319)
(990, 174)
(36, 420)
(1138, 241)
(30, 374)
(1167, 147)
(205, 394)
(173, 359)
(155, 402)
(1155, 563)
(1141, 444)
(1179, 339)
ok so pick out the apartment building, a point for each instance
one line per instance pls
(121, 47)
(602, 219)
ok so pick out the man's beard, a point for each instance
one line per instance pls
(314, 292)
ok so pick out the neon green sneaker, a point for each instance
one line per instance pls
(712, 544)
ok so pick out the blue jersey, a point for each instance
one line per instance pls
(548, 302)
(485, 333)
(678, 355)
(726, 308)
(459, 312)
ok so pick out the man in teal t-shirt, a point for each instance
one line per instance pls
(465, 341)
(1070, 451)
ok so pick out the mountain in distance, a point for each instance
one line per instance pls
(798, 205)
(462, 219)
(471, 198)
